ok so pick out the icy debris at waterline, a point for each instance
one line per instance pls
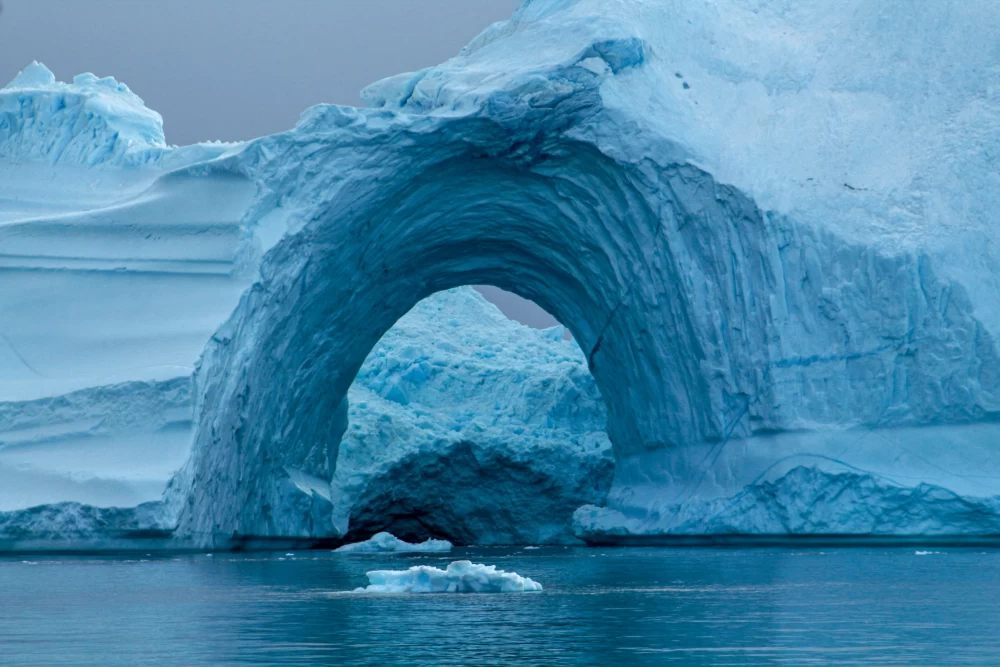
(462, 576)
(389, 543)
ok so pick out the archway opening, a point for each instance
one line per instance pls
(466, 425)
(521, 310)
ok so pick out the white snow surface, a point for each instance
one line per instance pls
(388, 543)
(770, 226)
(461, 576)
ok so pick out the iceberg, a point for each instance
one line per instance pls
(461, 576)
(114, 273)
(388, 543)
(770, 230)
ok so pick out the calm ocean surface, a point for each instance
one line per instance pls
(601, 606)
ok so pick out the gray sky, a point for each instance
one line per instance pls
(239, 69)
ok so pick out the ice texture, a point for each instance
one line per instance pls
(770, 227)
(116, 262)
(812, 501)
(388, 543)
(461, 576)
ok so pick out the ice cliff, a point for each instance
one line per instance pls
(770, 228)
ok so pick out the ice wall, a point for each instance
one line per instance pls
(116, 262)
(110, 446)
(116, 266)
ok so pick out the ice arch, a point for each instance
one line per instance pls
(566, 227)
(715, 333)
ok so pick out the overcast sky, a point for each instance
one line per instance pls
(239, 69)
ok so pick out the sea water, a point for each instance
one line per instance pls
(600, 606)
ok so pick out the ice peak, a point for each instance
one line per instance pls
(117, 118)
(35, 75)
(89, 80)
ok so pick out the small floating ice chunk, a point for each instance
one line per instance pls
(389, 543)
(462, 576)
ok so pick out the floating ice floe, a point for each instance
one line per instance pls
(389, 543)
(460, 577)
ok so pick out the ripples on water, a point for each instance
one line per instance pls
(599, 607)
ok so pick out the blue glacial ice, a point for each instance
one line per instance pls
(461, 576)
(771, 231)
(388, 543)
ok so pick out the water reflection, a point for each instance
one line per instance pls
(599, 607)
